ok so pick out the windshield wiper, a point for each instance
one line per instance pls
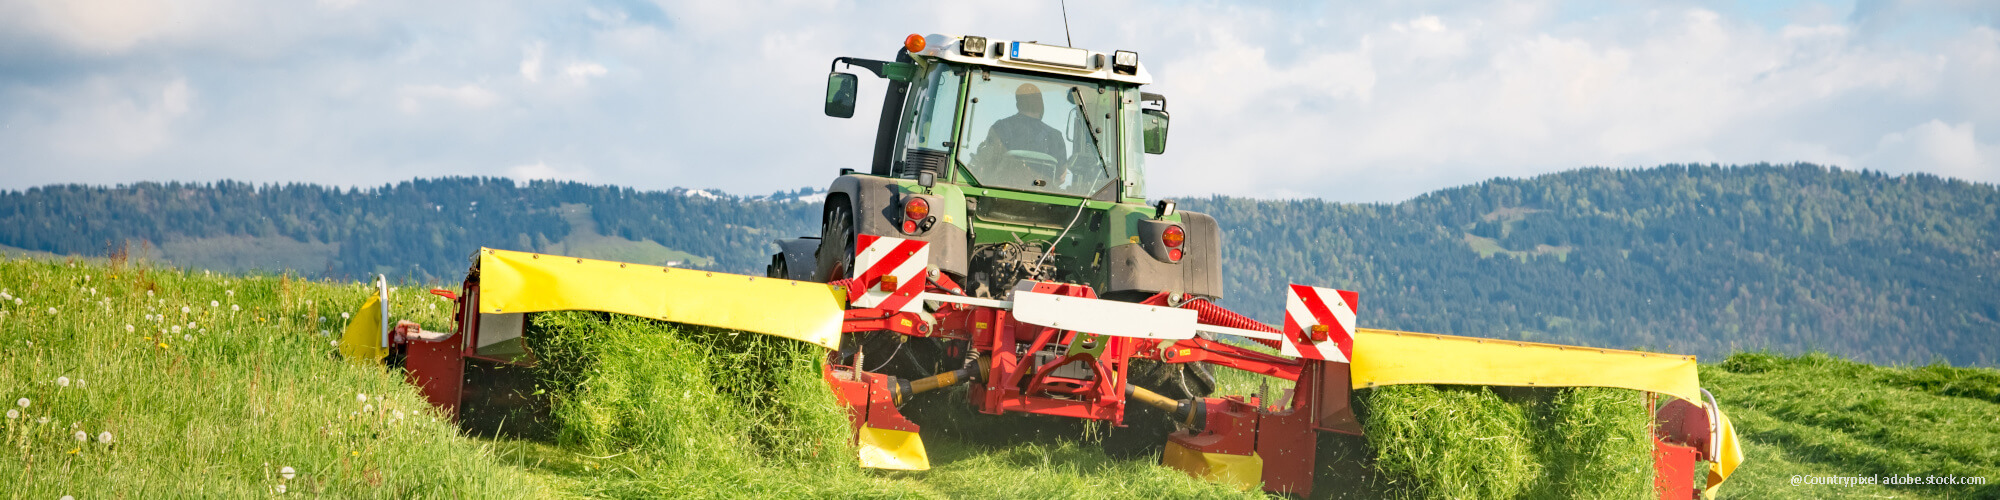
(1096, 144)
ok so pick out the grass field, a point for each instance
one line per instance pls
(185, 383)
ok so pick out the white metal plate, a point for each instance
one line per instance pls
(1048, 54)
(1103, 317)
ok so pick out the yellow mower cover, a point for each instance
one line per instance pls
(520, 282)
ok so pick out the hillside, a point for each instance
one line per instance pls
(1705, 260)
(186, 383)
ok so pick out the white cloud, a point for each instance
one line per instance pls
(581, 72)
(531, 62)
(1934, 146)
(541, 170)
(468, 96)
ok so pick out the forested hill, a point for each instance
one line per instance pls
(1694, 259)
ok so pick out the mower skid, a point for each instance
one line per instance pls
(883, 438)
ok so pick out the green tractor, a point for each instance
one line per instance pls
(1015, 161)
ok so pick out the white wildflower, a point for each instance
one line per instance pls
(149, 293)
(322, 319)
(17, 301)
(358, 398)
(62, 381)
(67, 497)
(399, 414)
(177, 328)
(287, 472)
(188, 338)
(367, 408)
(86, 278)
(190, 325)
(434, 306)
(128, 328)
(309, 301)
(279, 488)
(79, 383)
(104, 437)
(52, 310)
(184, 310)
(234, 308)
(214, 303)
(323, 332)
(342, 315)
(23, 402)
(334, 343)
(231, 293)
(93, 290)
(13, 414)
(82, 436)
(42, 420)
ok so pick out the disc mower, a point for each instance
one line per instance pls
(1001, 240)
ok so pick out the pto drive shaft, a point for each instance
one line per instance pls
(1186, 413)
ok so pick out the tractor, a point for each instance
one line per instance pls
(1014, 161)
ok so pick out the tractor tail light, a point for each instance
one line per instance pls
(913, 43)
(916, 209)
(1319, 333)
(889, 283)
(1174, 236)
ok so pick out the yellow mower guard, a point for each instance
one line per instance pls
(520, 282)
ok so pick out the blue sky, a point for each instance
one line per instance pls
(1350, 102)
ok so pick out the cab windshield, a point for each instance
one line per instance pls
(1035, 133)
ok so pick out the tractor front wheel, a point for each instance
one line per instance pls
(836, 243)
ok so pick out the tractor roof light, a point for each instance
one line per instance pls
(973, 46)
(913, 43)
(1125, 62)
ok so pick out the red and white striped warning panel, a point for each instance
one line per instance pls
(889, 273)
(1319, 323)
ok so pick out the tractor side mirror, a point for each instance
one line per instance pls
(840, 89)
(1153, 123)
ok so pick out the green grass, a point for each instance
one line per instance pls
(246, 388)
(209, 386)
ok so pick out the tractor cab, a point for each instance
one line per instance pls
(1018, 161)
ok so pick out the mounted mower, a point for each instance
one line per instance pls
(1001, 241)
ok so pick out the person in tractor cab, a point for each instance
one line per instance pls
(1024, 131)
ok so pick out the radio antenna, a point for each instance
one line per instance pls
(1067, 41)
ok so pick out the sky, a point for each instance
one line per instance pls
(1350, 102)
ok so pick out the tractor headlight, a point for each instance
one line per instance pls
(1125, 62)
(973, 46)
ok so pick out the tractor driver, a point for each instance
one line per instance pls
(1024, 131)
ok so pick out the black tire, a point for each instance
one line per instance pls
(778, 269)
(836, 244)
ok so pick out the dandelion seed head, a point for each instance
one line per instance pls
(231, 293)
(62, 381)
(52, 310)
(184, 310)
(334, 343)
(367, 408)
(287, 472)
(177, 328)
(104, 437)
(342, 315)
(79, 383)
(234, 308)
(82, 436)
(129, 328)
(361, 397)
(322, 319)
(42, 420)
(13, 414)
(17, 301)
(23, 402)
(279, 488)
(215, 303)
(188, 338)
(149, 293)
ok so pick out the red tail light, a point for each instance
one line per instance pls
(1174, 254)
(916, 209)
(1174, 237)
